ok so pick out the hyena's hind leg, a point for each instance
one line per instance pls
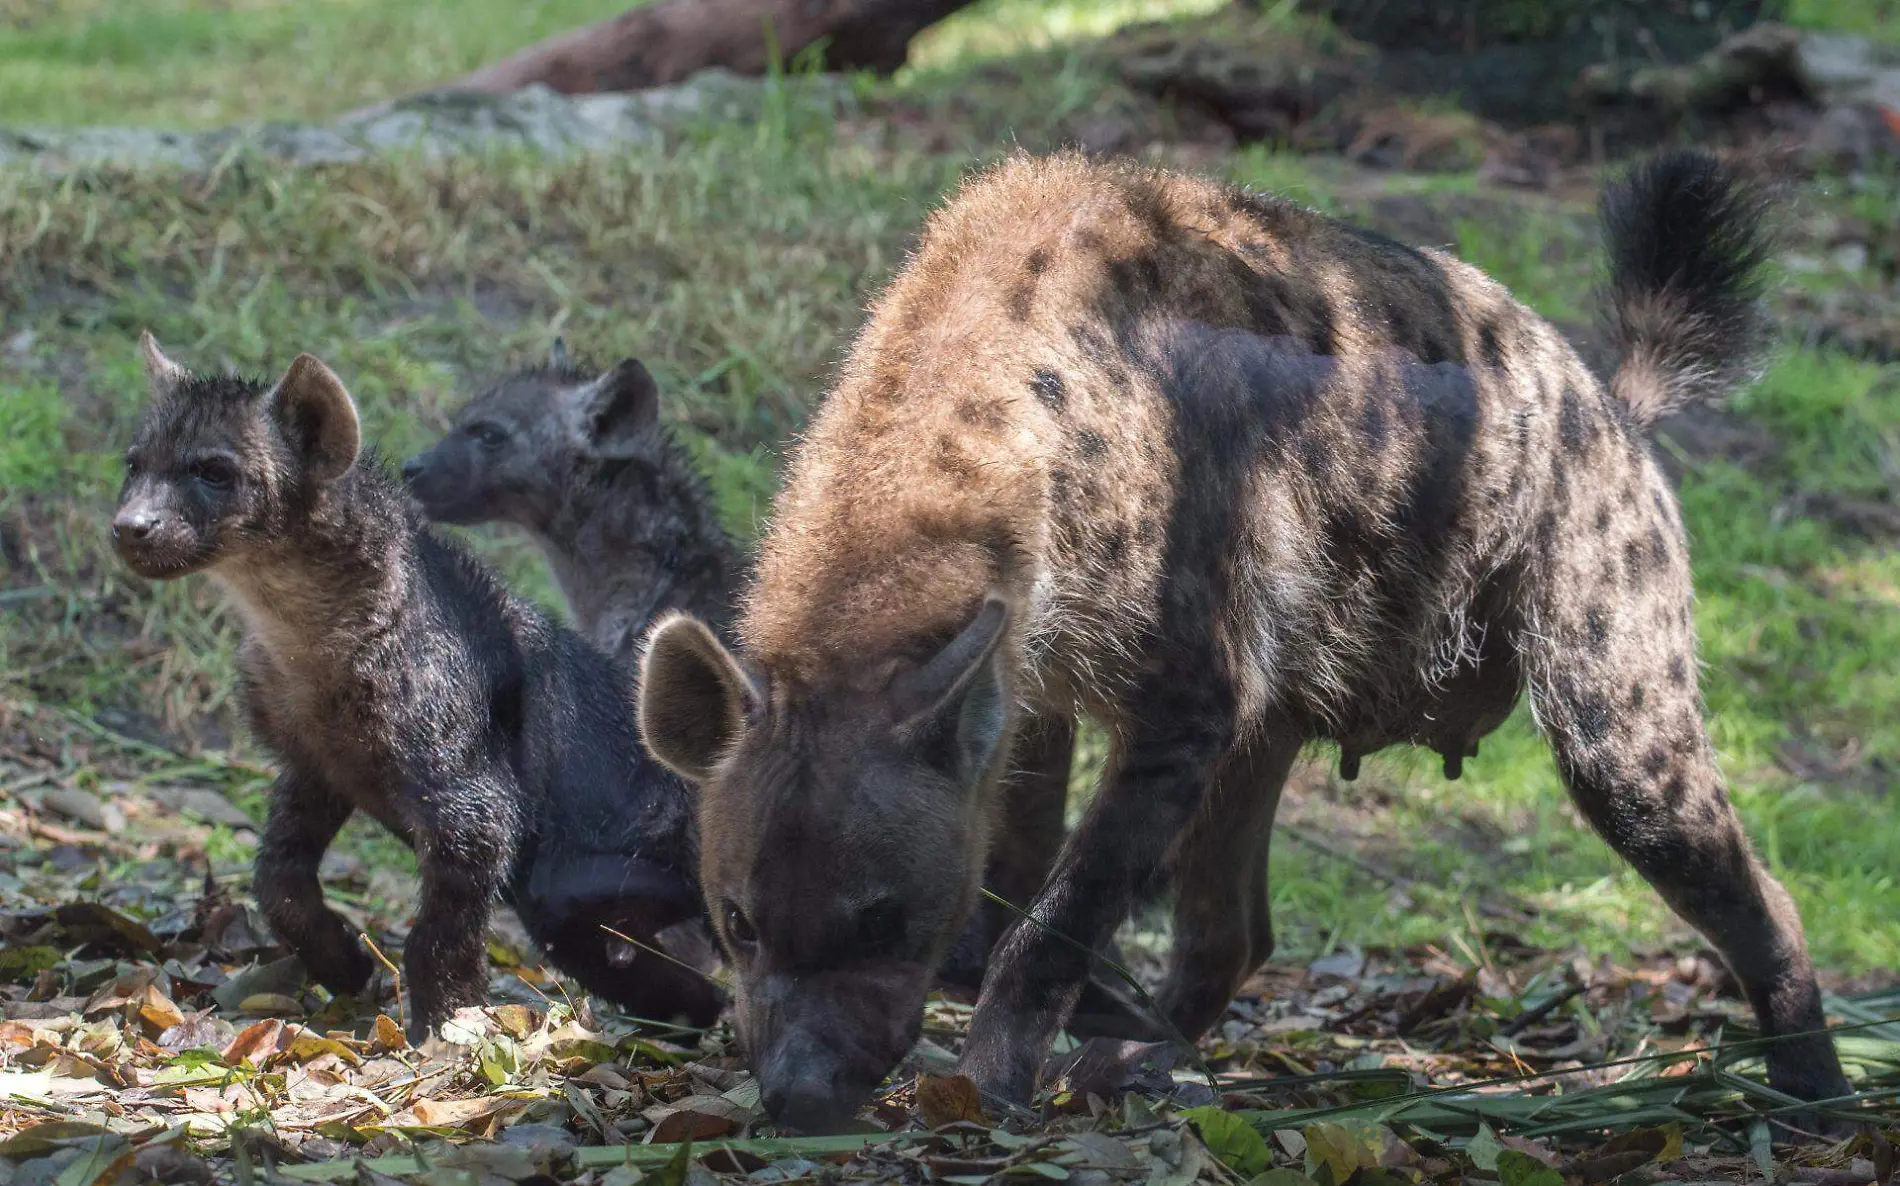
(1610, 655)
(1223, 926)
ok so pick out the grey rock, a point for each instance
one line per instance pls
(207, 805)
(86, 808)
(1843, 68)
(436, 125)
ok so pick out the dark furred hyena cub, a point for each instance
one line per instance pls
(1229, 476)
(388, 672)
(580, 460)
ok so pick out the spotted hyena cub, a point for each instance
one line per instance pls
(389, 673)
(579, 459)
(1229, 476)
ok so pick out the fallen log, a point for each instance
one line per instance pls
(664, 43)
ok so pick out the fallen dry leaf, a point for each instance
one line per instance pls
(946, 1100)
(257, 1042)
(696, 1118)
(466, 1113)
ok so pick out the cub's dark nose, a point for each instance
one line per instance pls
(412, 468)
(133, 524)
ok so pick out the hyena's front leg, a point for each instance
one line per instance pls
(466, 838)
(304, 818)
(1035, 794)
(1223, 925)
(1157, 776)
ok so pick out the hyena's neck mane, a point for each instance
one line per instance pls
(642, 532)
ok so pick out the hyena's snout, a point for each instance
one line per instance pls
(153, 538)
(821, 1043)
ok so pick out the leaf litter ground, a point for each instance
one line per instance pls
(153, 1032)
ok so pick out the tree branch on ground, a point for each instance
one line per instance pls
(665, 43)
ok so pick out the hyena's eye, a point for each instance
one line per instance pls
(214, 472)
(739, 927)
(881, 924)
(488, 436)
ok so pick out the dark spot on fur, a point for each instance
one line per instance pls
(1115, 546)
(1144, 201)
(980, 414)
(1323, 337)
(1037, 261)
(1137, 277)
(1636, 563)
(1638, 694)
(1591, 713)
(1089, 443)
(1049, 388)
(1658, 547)
(1547, 529)
(1603, 518)
(1489, 349)
(1597, 623)
(1674, 790)
(1678, 670)
(1090, 341)
(1397, 321)
(1022, 301)
(1655, 761)
(1570, 421)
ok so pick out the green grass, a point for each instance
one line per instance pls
(737, 267)
(180, 63)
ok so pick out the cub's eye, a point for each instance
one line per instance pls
(739, 927)
(488, 436)
(881, 924)
(215, 472)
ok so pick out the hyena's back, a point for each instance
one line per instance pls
(1158, 388)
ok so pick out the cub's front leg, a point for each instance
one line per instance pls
(305, 817)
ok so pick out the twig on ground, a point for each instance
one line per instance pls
(395, 976)
(1531, 1017)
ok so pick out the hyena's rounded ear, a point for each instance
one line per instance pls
(614, 411)
(318, 418)
(164, 374)
(695, 697)
(957, 703)
(557, 355)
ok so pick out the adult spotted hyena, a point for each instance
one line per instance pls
(1229, 476)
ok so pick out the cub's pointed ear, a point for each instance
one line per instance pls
(614, 411)
(557, 355)
(164, 374)
(317, 417)
(695, 698)
(958, 702)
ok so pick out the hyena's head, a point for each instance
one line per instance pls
(843, 831)
(221, 464)
(514, 448)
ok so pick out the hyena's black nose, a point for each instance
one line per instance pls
(134, 524)
(412, 469)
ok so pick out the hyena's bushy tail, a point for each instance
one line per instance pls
(1687, 238)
